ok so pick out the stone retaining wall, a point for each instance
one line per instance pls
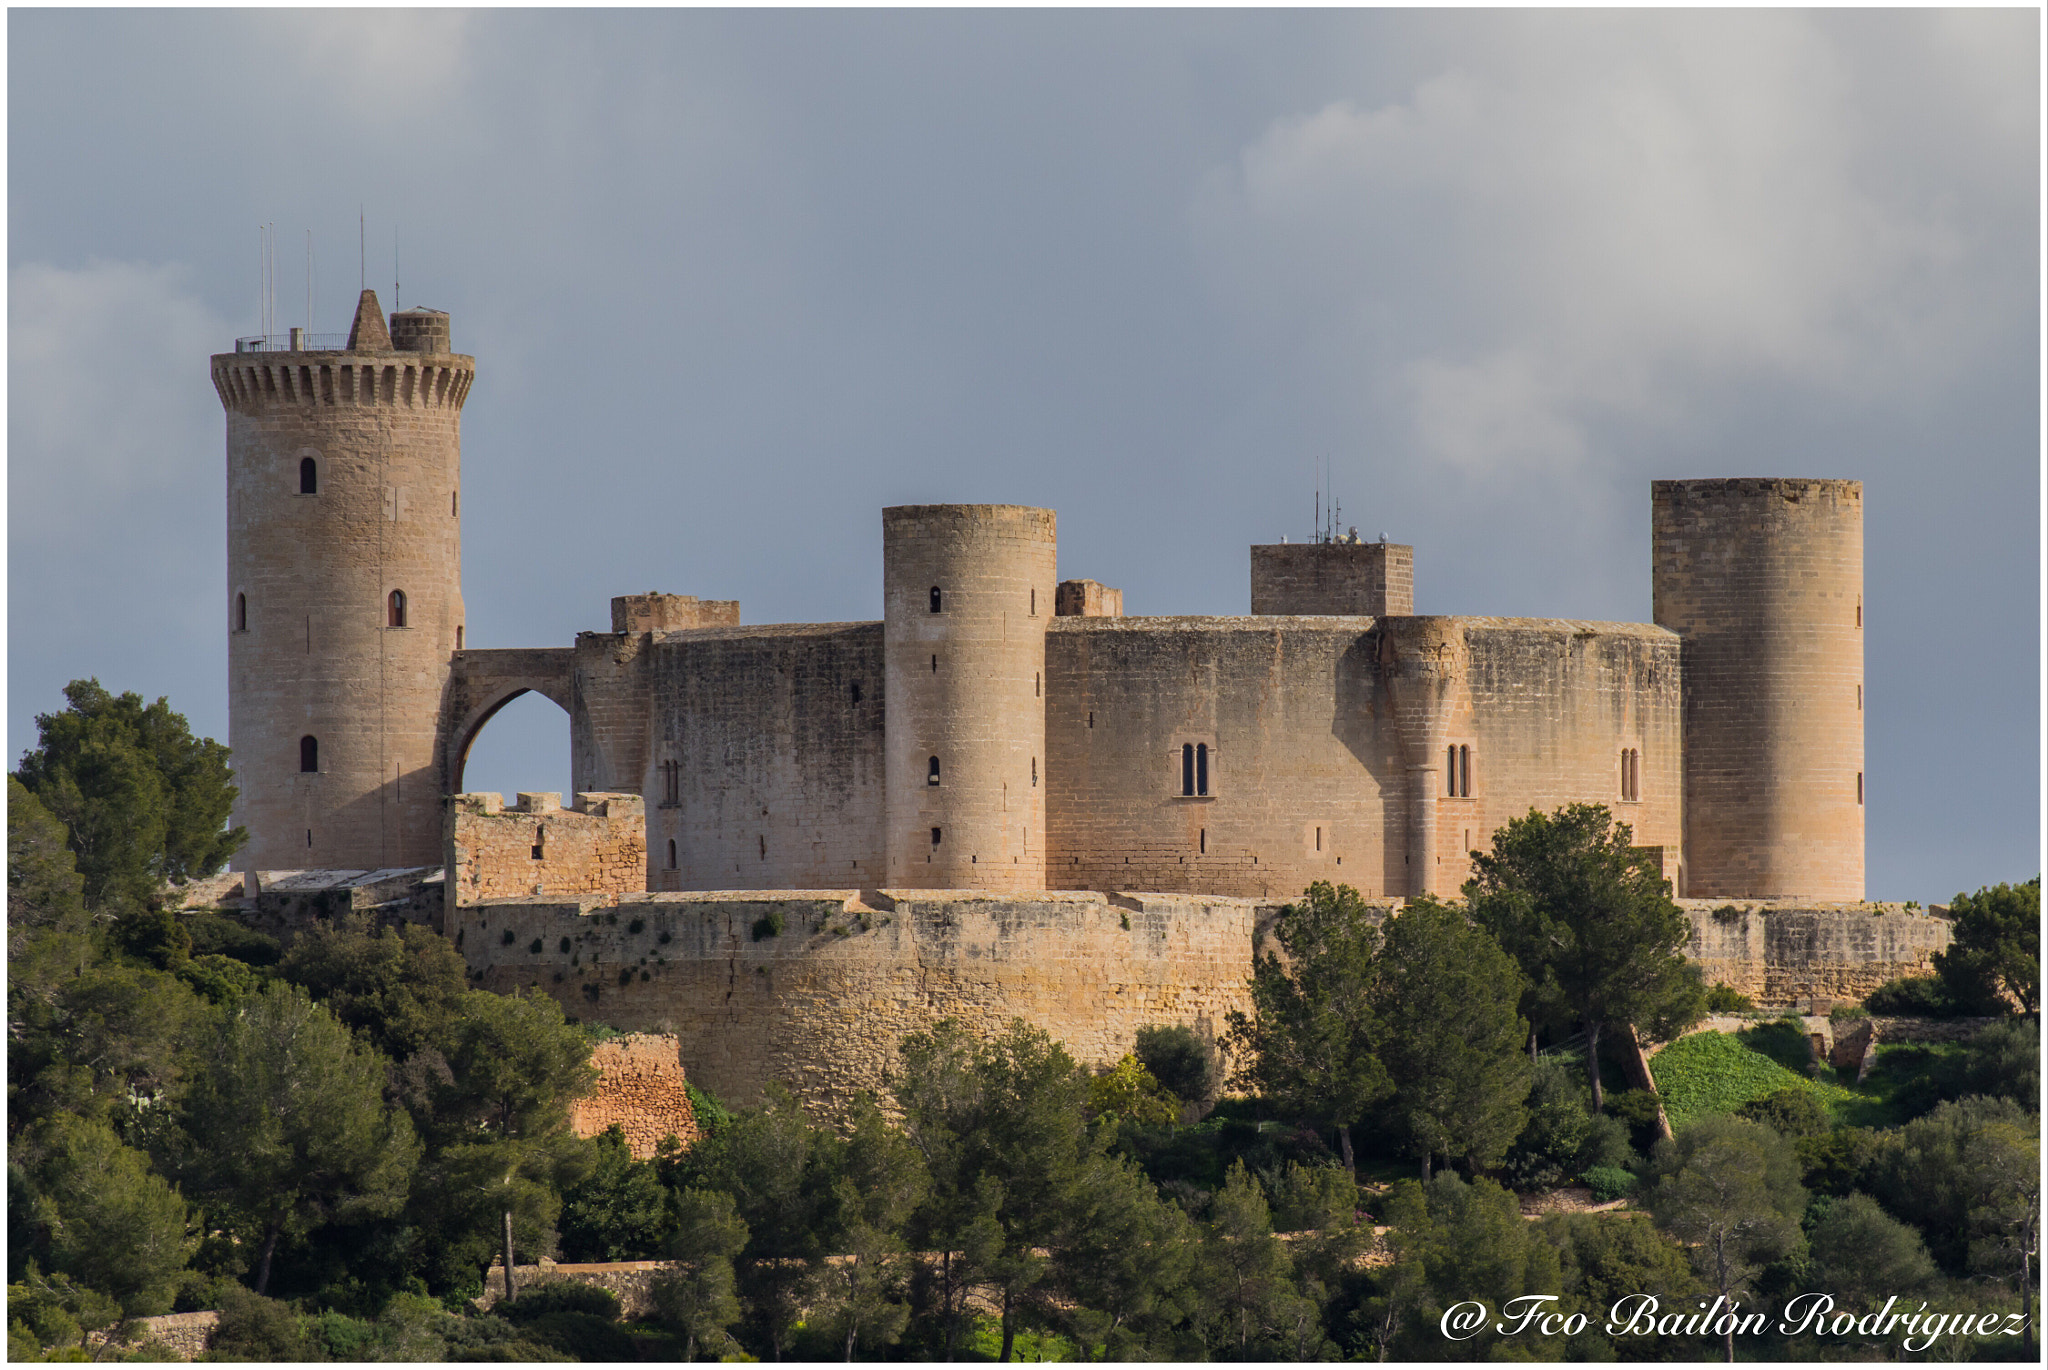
(640, 1090)
(1781, 952)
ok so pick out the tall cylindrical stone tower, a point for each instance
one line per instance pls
(1423, 664)
(344, 589)
(1762, 579)
(967, 592)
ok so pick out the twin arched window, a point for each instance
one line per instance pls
(1194, 768)
(396, 606)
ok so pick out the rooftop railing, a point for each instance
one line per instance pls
(298, 340)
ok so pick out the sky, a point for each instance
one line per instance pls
(736, 281)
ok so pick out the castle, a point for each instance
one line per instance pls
(1003, 745)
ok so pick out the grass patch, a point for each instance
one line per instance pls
(1711, 1072)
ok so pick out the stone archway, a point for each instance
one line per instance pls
(482, 683)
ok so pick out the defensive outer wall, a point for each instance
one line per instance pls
(817, 988)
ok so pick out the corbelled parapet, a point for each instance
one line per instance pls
(407, 366)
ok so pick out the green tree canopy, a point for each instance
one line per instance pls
(697, 1300)
(1445, 995)
(1996, 950)
(97, 1213)
(1591, 923)
(399, 985)
(45, 892)
(286, 1128)
(1310, 1043)
(1729, 1189)
(1454, 1241)
(144, 800)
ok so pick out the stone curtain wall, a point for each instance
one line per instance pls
(778, 765)
(640, 1089)
(599, 847)
(822, 1003)
(1777, 953)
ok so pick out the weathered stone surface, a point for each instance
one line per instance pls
(640, 1091)
(1779, 953)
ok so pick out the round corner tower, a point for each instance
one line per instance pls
(344, 587)
(967, 591)
(1762, 580)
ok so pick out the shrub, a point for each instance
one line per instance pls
(1847, 1013)
(637, 926)
(768, 925)
(1563, 1136)
(252, 1327)
(1724, 999)
(1793, 1112)
(1610, 1182)
(562, 946)
(509, 938)
(560, 1296)
(535, 946)
(664, 938)
(1183, 1061)
(711, 1115)
(216, 935)
(1912, 996)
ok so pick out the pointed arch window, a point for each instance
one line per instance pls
(395, 609)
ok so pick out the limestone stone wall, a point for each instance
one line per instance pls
(1778, 953)
(631, 1281)
(817, 988)
(537, 847)
(658, 613)
(764, 766)
(1087, 599)
(639, 1090)
(169, 1336)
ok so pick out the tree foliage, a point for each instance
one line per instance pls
(96, 1212)
(1451, 1039)
(144, 800)
(287, 1127)
(1591, 923)
(1995, 955)
(1310, 1044)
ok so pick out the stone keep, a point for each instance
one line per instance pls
(344, 588)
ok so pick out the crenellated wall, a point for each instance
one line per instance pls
(537, 847)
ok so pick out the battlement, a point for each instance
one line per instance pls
(597, 848)
(1087, 599)
(658, 613)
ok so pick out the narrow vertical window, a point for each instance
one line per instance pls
(1859, 611)
(935, 664)
(935, 599)
(762, 838)
(242, 618)
(1204, 848)
(1187, 766)
(1201, 768)
(1465, 772)
(309, 754)
(540, 838)
(1859, 699)
(853, 692)
(931, 772)
(454, 504)
(309, 476)
(1451, 772)
(1034, 772)
(1859, 787)
(395, 609)
(935, 837)
(458, 637)
(671, 853)
(1034, 603)
(1035, 687)
(1319, 839)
